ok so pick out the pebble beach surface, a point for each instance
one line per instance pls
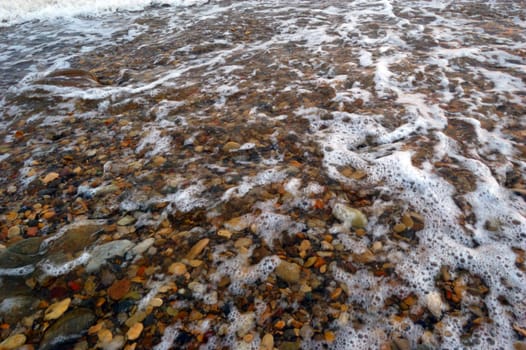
(264, 175)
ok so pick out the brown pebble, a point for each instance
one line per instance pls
(50, 177)
(48, 214)
(399, 228)
(310, 261)
(267, 343)
(105, 336)
(231, 146)
(280, 324)
(329, 336)
(407, 221)
(135, 331)
(56, 310)
(248, 338)
(336, 293)
(224, 233)
(197, 248)
(13, 231)
(13, 342)
(119, 289)
(360, 232)
(177, 269)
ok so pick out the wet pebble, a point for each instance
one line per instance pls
(13, 231)
(135, 331)
(119, 289)
(101, 253)
(13, 342)
(267, 343)
(350, 217)
(177, 269)
(70, 326)
(289, 272)
(197, 248)
(57, 309)
(126, 221)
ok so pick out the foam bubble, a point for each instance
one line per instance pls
(23, 10)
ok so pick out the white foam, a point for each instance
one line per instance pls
(24, 10)
(169, 336)
(55, 270)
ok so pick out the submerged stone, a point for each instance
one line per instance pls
(28, 246)
(101, 253)
(350, 217)
(76, 237)
(289, 272)
(69, 327)
(13, 309)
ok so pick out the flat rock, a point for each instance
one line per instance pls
(10, 260)
(69, 327)
(289, 272)
(15, 308)
(101, 253)
(28, 246)
(76, 237)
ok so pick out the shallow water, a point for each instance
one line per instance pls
(245, 124)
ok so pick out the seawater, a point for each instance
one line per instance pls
(424, 99)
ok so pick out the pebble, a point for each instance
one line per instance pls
(289, 272)
(70, 326)
(135, 331)
(56, 310)
(156, 302)
(50, 177)
(244, 242)
(13, 342)
(195, 262)
(126, 221)
(28, 246)
(224, 233)
(279, 324)
(350, 217)
(105, 336)
(407, 221)
(402, 344)
(143, 246)
(377, 246)
(329, 336)
(267, 343)
(435, 304)
(119, 289)
(177, 269)
(101, 253)
(231, 146)
(399, 228)
(13, 231)
(237, 224)
(365, 257)
(197, 248)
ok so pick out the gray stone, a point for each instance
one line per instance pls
(69, 327)
(101, 253)
(13, 309)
